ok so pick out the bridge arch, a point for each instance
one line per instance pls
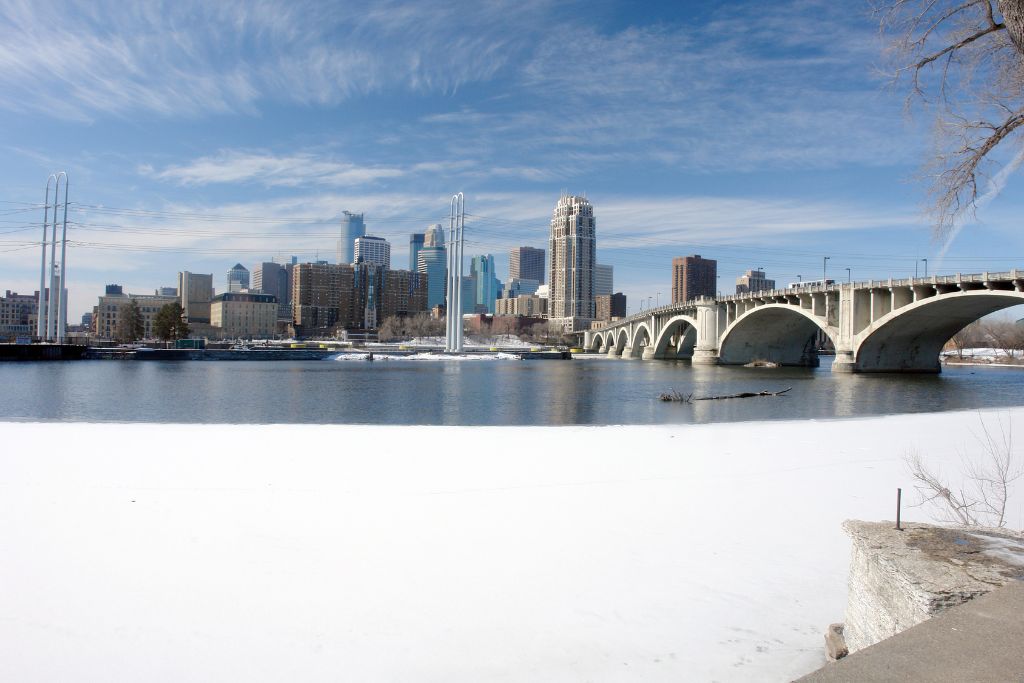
(781, 333)
(596, 342)
(641, 339)
(910, 338)
(677, 338)
(621, 336)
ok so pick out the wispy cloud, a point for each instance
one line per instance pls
(271, 170)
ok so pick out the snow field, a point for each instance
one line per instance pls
(325, 553)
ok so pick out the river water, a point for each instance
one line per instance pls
(592, 391)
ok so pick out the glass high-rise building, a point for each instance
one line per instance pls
(433, 261)
(481, 269)
(352, 227)
(416, 241)
(572, 252)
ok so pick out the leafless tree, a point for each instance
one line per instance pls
(969, 337)
(982, 497)
(966, 58)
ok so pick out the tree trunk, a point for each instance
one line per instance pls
(1013, 17)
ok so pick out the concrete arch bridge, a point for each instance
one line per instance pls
(877, 326)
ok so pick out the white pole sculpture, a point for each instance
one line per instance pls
(453, 314)
(41, 308)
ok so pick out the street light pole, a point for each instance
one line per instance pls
(824, 270)
(925, 267)
(847, 276)
(657, 301)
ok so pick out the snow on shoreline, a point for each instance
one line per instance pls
(366, 553)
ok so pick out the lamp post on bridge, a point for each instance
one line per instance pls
(657, 301)
(824, 270)
(848, 280)
(925, 267)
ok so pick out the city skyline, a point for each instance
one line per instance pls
(252, 150)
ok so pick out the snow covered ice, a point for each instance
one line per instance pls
(323, 553)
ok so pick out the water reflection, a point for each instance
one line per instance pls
(592, 391)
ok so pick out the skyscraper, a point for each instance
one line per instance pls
(352, 226)
(433, 262)
(692, 277)
(434, 236)
(572, 249)
(238, 278)
(370, 249)
(526, 263)
(604, 280)
(416, 241)
(481, 269)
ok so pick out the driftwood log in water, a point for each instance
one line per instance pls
(676, 396)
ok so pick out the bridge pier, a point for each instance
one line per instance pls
(844, 362)
(649, 353)
(705, 357)
(613, 351)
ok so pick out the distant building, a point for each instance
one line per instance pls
(611, 306)
(273, 278)
(18, 314)
(572, 248)
(692, 277)
(481, 269)
(433, 262)
(526, 263)
(327, 298)
(244, 315)
(109, 317)
(376, 250)
(195, 291)
(469, 301)
(753, 281)
(528, 305)
(114, 290)
(416, 242)
(604, 279)
(166, 291)
(352, 227)
(238, 278)
(519, 287)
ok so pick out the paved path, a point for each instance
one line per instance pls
(980, 641)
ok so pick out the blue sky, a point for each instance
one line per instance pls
(199, 134)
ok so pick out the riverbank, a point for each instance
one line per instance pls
(304, 552)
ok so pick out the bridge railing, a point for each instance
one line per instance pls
(818, 288)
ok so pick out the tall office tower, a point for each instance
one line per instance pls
(753, 281)
(610, 306)
(572, 250)
(238, 278)
(692, 277)
(604, 279)
(195, 291)
(352, 227)
(433, 262)
(481, 269)
(416, 241)
(526, 263)
(369, 249)
(434, 236)
(273, 278)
